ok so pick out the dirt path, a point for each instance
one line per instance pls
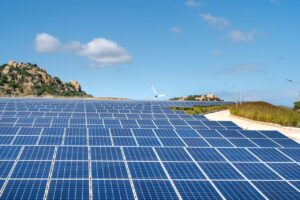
(293, 133)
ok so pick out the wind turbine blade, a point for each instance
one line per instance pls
(154, 90)
(161, 95)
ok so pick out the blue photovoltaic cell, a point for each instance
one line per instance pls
(172, 142)
(290, 171)
(110, 170)
(25, 140)
(100, 141)
(288, 143)
(98, 132)
(106, 153)
(69, 189)
(5, 167)
(252, 134)
(205, 154)
(296, 184)
(112, 189)
(124, 141)
(148, 141)
(183, 170)
(187, 133)
(256, 171)
(242, 143)
(209, 133)
(238, 155)
(139, 154)
(154, 189)
(24, 189)
(265, 143)
(270, 155)
(143, 132)
(220, 171)
(37, 153)
(4, 140)
(146, 170)
(165, 133)
(292, 153)
(273, 134)
(238, 190)
(173, 154)
(30, 131)
(50, 140)
(195, 142)
(231, 134)
(72, 153)
(196, 190)
(121, 132)
(70, 169)
(8, 131)
(32, 169)
(76, 132)
(53, 131)
(75, 141)
(277, 190)
(217, 142)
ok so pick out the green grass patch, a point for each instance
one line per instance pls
(196, 110)
(265, 112)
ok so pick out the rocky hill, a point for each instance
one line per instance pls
(26, 79)
(205, 97)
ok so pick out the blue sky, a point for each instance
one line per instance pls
(119, 47)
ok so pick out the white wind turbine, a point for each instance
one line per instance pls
(156, 95)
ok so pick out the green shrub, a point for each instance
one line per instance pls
(297, 105)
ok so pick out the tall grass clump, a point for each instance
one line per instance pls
(265, 112)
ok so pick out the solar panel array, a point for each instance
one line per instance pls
(84, 149)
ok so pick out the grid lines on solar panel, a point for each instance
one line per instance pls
(146, 170)
(196, 190)
(112, 189)
(256, 171)
(271, 190)
(70, 169)
(109, 170)
(24, 189)
(68, 189)
(154, 189)
(31, 169)
(238, 190)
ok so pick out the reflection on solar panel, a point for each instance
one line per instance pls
(87, 149)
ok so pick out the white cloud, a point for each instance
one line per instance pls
(176, 30)
(193, 3)
(239, 36)
(216, 21)
(100, 51)
(217, 53)
(105, 52)
(46, 43)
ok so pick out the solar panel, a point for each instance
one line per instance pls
(88, 149)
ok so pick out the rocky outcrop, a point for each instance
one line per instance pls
(76, 85)
(205, 97)
(23, 79)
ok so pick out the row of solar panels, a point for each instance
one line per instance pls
(151, 170)
(147, 141)
(149, 189)
(225, 134)
(73, 153)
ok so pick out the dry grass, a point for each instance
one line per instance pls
(265, 112)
